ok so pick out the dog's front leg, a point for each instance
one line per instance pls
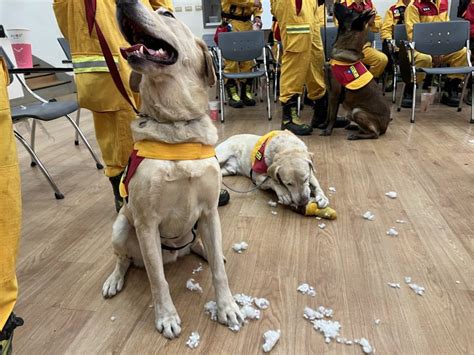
(167, 320)
(321, 198)
(210, 231)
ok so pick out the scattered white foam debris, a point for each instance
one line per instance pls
(249, 312)
(368, 216)
(339, 340)
(306, 289)
(240, 247)
(391, 194)
(235, 328)
(211, 308)
(322, 225)
(194, 286)
(318, 218)
(458, 282)
(348, 342)
(332, 189)
(193, 340)
(329, 328)
(377, 321)
(401, 221)
(419, 290)
(392, 232)
(150, 306)
(312, 314)
(272, 203)
(393, 285)
(243, 299)
(198, 269)
(113, 318)
(471, 141)
(270, 337)
(407, 279)
(262, 303)
(366, 347)
(327, 312)
(274, 213)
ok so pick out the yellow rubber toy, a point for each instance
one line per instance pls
(312, 209)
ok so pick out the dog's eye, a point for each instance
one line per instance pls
(167, 14)
(289, 184)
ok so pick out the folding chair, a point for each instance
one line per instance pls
(241, 47)
(440, 38)
(44, 111)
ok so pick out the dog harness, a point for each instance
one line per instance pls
(162, 151)
(353, 76)
(258, 153)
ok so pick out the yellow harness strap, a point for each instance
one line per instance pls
(266, 138)
(180, 151)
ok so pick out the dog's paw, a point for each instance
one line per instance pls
(353, 137)
(322, 200)
(113, 285)
(284, 199)
(228, 313)
(169, 324)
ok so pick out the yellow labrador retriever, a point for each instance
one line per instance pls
(166, 198)
(278, 161)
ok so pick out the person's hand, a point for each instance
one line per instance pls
(372, 19)
(257, 20)
(257, 3)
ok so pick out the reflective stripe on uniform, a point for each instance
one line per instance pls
(290, 29)
(91, 64)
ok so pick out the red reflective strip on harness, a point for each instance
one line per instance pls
(346, 74)
(133, 164)
(259, 166)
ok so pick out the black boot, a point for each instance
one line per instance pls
(115, 181)
(427, 82)
(246, 94)
(6, 334)
(290, 119)
(234, 98)
(407, 100)
(450, 95)
(224, 197)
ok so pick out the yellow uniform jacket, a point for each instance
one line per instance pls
(241, 8)
(420, 11)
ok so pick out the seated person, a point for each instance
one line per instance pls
(393, 16)
(376, 60)
(425, 11)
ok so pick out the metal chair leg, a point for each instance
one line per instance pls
(412, 120)
(222, 98)
(32, 140)
(98, 164)
(299, 105)
(57, 193)
(394, 93)
(269, 105)
(78, 118)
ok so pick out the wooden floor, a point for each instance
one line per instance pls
(66, 254)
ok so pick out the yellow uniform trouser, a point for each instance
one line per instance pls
(375, 59)
(456, 59)
(236, 67)
(303, 57)
(114, 135)
(10, 206)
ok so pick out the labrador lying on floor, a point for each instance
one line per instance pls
(279, 161)
(167, 197)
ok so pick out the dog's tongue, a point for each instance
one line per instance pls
(140, 49)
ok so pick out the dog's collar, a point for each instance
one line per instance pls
(258, 152)
(144, 115)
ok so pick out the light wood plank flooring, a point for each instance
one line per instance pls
(65, 250)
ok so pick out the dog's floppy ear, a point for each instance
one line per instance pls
(134, 81)
(208, 63)
(273, 171)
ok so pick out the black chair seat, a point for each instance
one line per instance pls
(447, 70)
(249, 75)
(45, 111)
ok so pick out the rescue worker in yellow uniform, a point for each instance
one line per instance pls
(395, 15)
(372, 57)
(10, 218)
(96, 89)
(302, 62)
(239, 14)
(423, 11)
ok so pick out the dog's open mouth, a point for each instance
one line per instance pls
(147, 47)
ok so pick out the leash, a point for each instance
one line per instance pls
(91, 9)
(257, 186)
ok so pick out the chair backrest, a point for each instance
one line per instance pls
(241, 46)
(65, 47)
(208, 38)
(328, 37)
(400, 33)
(440, 38)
